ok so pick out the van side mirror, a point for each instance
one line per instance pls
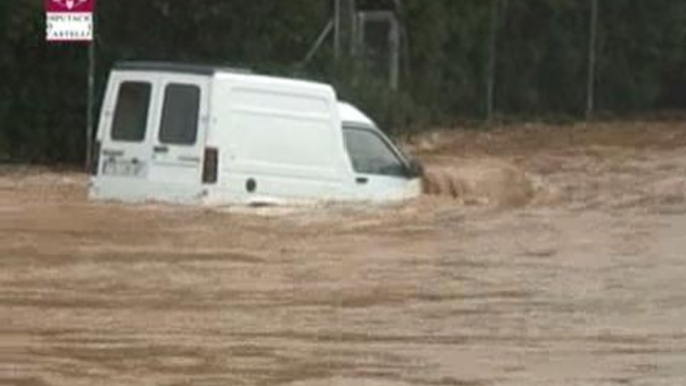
(415, 169)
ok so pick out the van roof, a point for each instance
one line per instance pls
(350, 114)
(199, 69)
(209, 70)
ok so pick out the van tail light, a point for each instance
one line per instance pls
(210, 165)
(95, 158)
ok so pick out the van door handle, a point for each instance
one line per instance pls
(160, 149)
(361, 180)
(112, 153)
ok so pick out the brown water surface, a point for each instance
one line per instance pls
(578, 280)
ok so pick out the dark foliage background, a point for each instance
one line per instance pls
(542, 48)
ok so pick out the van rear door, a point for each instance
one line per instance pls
(124, 151)
(179, 137)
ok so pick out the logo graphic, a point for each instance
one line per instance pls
(69, 20)
(69, 5)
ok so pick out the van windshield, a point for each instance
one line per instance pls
(371, 154)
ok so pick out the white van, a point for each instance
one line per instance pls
(196, 134)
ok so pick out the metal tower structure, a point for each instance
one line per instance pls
(369, 32)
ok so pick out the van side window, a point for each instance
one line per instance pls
(179, 124)
(131, 112)
(370, 154)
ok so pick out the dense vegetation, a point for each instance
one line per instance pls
(541, 65)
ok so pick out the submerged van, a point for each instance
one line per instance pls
(197, 134)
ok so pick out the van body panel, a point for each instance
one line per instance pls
(282, 134)
(271, 140)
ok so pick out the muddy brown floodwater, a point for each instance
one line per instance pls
(545, 256)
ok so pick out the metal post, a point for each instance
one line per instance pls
(320, 39)
(394, 65)
(592, 39)
(404, 40)
(337, 29)
(361, 24)
(91, 97)
(352, 10)
(492, 61)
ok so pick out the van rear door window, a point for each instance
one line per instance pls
(131, 112)
(179, 124)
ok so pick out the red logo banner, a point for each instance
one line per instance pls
(69, 6)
